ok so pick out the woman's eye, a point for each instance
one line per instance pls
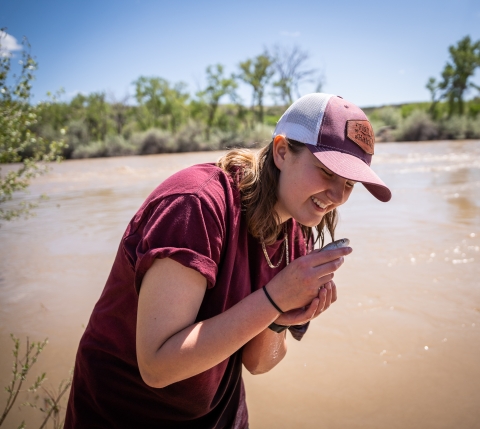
(351, 184)
(326, 172)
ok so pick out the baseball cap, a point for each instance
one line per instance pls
(339, 134)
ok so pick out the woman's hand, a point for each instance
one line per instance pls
(300, 316)
(298, 286)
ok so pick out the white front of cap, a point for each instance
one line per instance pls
(302, 120)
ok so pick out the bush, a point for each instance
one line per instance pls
(418, 126)
(111, 146)
(407, 109)
(190, 138)
(260, 135)
(387, 116)
(384, 121)
(76, 136)
(152, 141)
(460, 127)
(225, 139)
(454, 127)
(473, 128)
(248, 138)
(384, 133)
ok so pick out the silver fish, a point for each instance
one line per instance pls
(337, 244)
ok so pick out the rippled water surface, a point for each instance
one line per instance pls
(400, 348)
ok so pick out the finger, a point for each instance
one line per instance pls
(325, 279)
(334, 291)
(328, 299)
(328, 267)
(311, 310)
(299, 316)
(322, 296)
(317, 257)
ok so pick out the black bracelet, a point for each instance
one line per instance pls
(271, 300)
(277, 328)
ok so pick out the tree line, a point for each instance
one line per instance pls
(215, 114)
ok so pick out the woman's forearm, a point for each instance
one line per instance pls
(265, 351)
(203, 345)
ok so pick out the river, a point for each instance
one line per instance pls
(399, 349)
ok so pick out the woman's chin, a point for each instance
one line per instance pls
(309, 222)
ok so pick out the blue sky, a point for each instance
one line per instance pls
(370, 52)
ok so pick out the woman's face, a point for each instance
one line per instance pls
(307, 190)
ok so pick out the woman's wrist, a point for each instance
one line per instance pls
(274, 304)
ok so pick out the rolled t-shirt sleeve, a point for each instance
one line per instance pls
(185, 229)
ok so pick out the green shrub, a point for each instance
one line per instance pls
(385, 121)
(259, 136)
(190, 138)
(271, 120)
(152, 141)
(111, 146)
(454, 127)
(473, 107)
(387, 116)
(473, 128)
(416, 127)
(407, 109)
(225, 139)
(460, 127)
(76, 136)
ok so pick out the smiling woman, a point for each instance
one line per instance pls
(213, 269)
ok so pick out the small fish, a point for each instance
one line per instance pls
(337, 244)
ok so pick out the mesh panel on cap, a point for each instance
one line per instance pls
(303, 118)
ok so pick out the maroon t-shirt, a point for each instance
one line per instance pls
(195, 218)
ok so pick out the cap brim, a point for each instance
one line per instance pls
(352, 168)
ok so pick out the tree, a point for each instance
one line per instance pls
(432, 86)
(457, 74)
(161, 104)
(94, 110)
(289, 65)
(18, 143)
(119, 111)
(257, 72)
(218, 86)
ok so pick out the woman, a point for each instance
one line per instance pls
(213, 268)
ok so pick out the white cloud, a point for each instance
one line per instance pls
(290, 34)
(8, 44)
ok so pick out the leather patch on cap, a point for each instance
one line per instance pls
(361, 133)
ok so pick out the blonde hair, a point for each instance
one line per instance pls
(257, 179)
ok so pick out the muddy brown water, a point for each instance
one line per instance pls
(400, 348)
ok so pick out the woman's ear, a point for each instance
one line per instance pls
(280, 149)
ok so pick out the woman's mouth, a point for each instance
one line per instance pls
(318, 204)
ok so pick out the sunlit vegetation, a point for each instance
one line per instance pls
(163, 116)
(448, 115)
(415, 122)
(49, 402)
(19, 143)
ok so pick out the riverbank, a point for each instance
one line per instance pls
(238, 127)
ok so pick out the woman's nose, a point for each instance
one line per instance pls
(337, 190)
